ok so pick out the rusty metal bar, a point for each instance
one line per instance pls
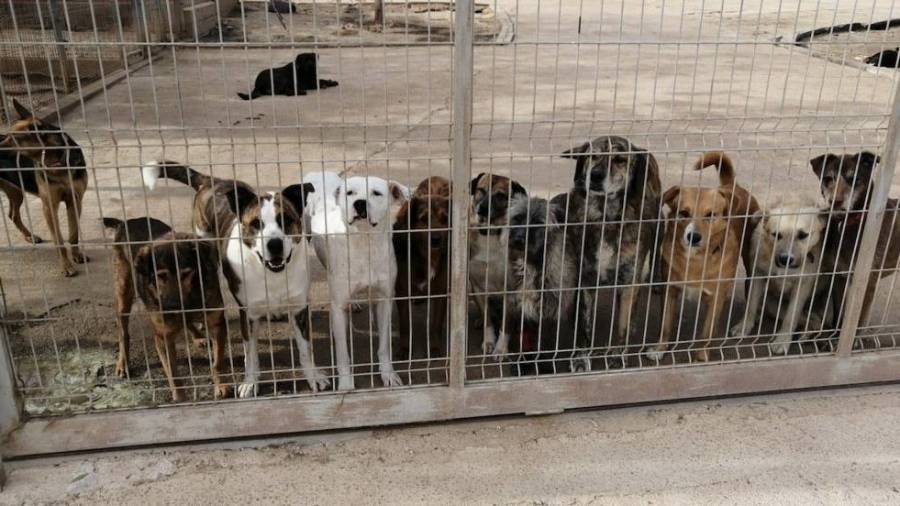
(463, 69)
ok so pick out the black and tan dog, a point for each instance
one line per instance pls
(176, 277)
(846, 184)
(616, 195)
(37, 157)
(422, 248)
(295, 78)
(491, 194)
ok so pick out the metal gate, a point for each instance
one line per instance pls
(484, 95)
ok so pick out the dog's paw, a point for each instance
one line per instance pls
(500, 351)
(701, 355)
(656, 353)
(580, 364)
(345, 384)
(80, 258)
(739, 330)
(247, 389)
(317, 381)
(69, 271)
(391, 379)
(487, 347)
(35, 239)
(121, 368)
(221, 392)
(780, 345)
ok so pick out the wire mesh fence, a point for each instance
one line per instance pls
(275, 204)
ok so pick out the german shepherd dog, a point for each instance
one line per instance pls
(292, 79)
(616, 194)
(177, 278)
(846, 185)
(422, 247)
(37, 157)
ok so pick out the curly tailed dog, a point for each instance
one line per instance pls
(263, 255)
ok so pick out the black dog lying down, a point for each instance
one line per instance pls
(292, 79)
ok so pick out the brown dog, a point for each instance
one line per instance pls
(176, 277)
(845, 182)
(422, 247)
(53, 168)
(701, 247)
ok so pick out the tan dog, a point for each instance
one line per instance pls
(422, 247)
(54, 171)
(176, 277)
(701, 247)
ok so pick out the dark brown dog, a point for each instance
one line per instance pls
(176, 277)
(422, 247)
(845, 182)
(52, 167)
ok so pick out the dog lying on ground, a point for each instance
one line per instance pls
(786, 250)
(616, 194)
(263, 255)
(543, 276)
(39, 158)
(491, 194)
(177, 279)
(422, 247)
(293, 79)
(701, 247)
(846, 184)
(360, 262)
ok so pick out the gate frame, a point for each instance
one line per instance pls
(458, 400)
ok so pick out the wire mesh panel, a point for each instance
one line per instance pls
(427, 202)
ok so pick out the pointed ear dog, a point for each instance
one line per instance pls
(23, 111)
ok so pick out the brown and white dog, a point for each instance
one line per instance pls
(37, 157)
(176, 276)
(701, 247)
(845, 182)
(422, 247)
(488, 251)
(264, 256)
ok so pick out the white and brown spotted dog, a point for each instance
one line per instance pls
(263, 255)
(785, 252)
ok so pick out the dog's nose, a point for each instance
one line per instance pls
(361, 209)
(435, 241)
(693, 238)
(482, 210)
(276, 247)
(784, 261)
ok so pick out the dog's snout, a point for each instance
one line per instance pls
(482, 210)
(276, 247)
(361, 208)
(436, 241)
(784, 261)
(693, 238)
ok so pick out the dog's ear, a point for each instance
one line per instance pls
(517, 189)
(578, 153)
(869, 158)
(818, 163)
(23, 111)
(239, 197)
(399, 192)
(670, 199)
(731, 204)
(473, 185)
(640, 161)
(296, 194)
(405, 214)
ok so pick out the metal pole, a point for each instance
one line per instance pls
(56, 20)
(10, 401)
(863, 267)
(463, 62)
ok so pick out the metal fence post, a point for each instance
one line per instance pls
(10, 401)
(463, 62)
(880, 189)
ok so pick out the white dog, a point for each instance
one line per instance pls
(360, 262)
(787, 247)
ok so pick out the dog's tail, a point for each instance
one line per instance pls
(253, 94)
(152, 171)
(722, 163)
(112, 222)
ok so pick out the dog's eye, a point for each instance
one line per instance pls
(827, 180)
(255, 224)
(684, 214)
(500, 196)
(776, 235)
(802, 235)
(351, 193)
(377, 193)
(709, 215)
(620, 160)
(286, 221)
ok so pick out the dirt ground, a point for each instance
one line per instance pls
(827, 448)
(664, 78)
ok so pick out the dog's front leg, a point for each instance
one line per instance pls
(50, 206)
(388, 377)
(341, 353)
(670, 300)
(317, 381)
(714, 303)
(754, 300)
(251, 362)
(782, 341)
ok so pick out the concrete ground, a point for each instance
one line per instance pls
(823, 447)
